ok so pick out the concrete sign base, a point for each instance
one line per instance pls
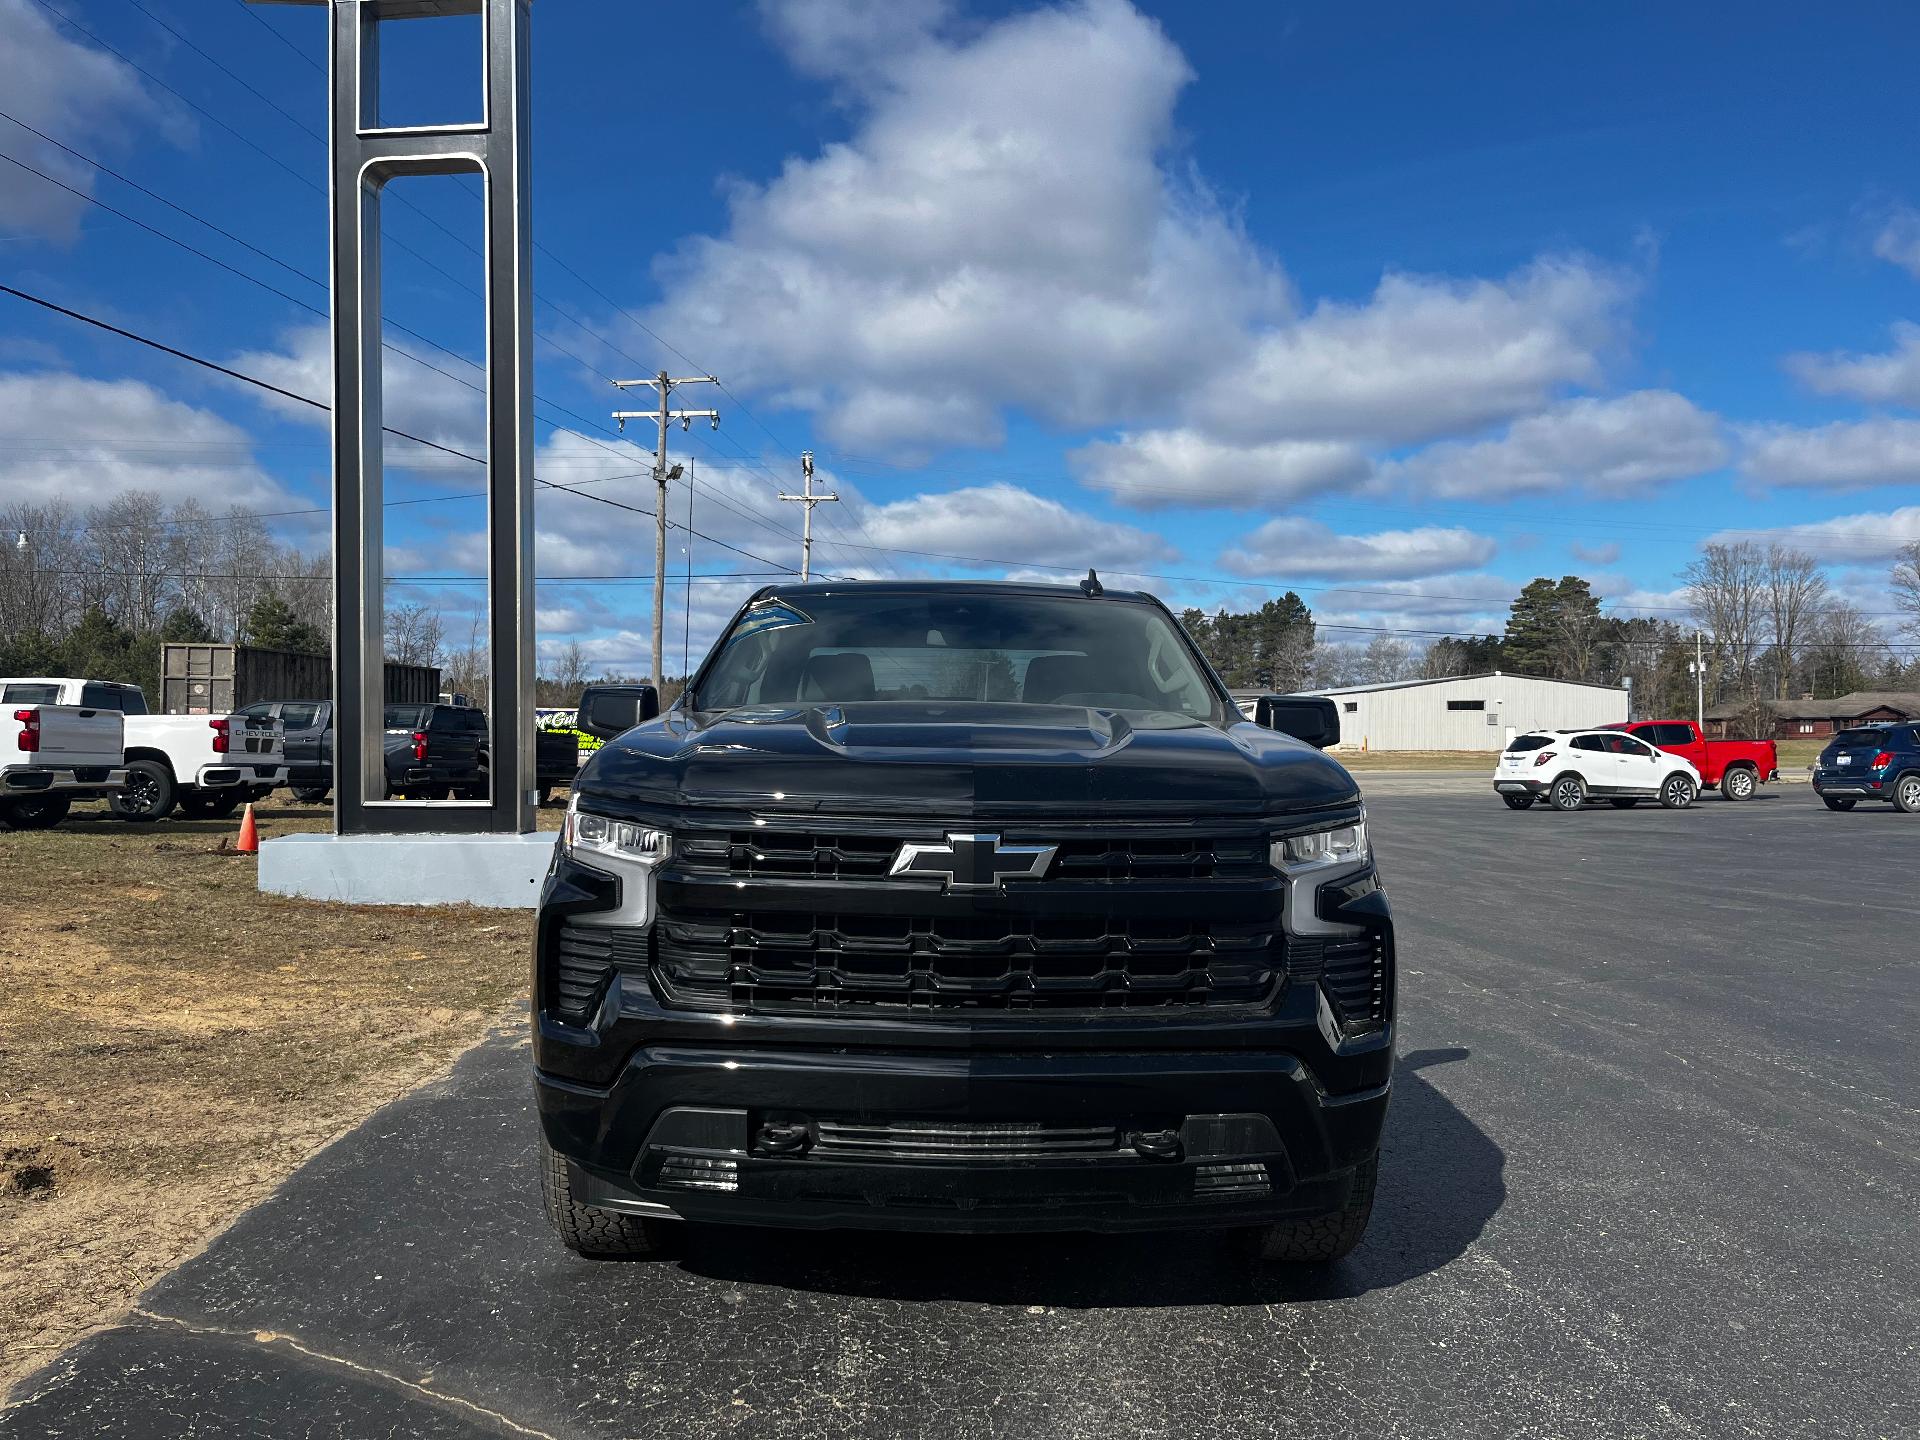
(502, 871)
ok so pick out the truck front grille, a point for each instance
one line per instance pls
(801, 960)
(840, 855)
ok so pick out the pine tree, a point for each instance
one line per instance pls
(272, 625)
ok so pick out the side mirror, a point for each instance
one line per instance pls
(609, 710)
(1312, 718)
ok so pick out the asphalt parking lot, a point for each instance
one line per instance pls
(1650, 1172)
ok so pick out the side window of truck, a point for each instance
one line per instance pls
(30, 695)
(298, 714)
(123, 698)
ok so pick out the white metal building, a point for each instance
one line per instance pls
(1467, 712)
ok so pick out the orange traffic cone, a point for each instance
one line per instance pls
(249, 841)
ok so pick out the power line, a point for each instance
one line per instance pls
(268, 385)
(418, 210)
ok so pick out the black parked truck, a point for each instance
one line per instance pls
(972, 907)
(431, 750)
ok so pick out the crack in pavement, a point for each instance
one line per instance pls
(274, 1337)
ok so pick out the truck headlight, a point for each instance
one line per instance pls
(1341, 845)
(585, 832)
(630, 851)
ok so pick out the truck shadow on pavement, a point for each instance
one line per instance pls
(1441, 1179)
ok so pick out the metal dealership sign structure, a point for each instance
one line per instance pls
(365, 156)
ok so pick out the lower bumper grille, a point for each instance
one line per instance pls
(960, 1140)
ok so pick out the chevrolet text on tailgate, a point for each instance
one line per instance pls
(961, 907)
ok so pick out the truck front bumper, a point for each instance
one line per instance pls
(60, 780)
(965, 1142)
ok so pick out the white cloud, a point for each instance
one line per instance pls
(420, 400)
(64, 88)
(1611, 447)
(1841, 456)
(1466, 604)
(1001, 229)
(850, 39)
(1847, 539)
(1012, 526)
(66, 437)
(1425, 356)
(1892, 377)
(1292, 546)
(1186, 467)
(1898, 240)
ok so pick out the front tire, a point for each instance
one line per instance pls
(1569, 793)
(1739, 784)
(587, 1229)
(37, 812)
(1518, 802)
(1906, 794)
(1321, 1239)
(1677, 792)
(147, 795)
(1833, 803)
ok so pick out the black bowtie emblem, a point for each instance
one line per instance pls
(973, 862)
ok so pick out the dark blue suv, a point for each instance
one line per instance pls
(1871, 762)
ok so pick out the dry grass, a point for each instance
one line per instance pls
(1416, 759)
(173, 1044)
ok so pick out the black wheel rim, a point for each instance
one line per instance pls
(142, 793)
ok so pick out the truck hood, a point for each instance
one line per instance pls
(950, 760)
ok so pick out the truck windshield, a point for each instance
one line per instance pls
(845, 647)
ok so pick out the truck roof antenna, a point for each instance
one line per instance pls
(1091, 585)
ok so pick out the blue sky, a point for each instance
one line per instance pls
(1397, 306)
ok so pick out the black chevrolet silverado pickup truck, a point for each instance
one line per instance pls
(972, 907)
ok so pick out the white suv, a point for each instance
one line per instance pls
(1567, 768)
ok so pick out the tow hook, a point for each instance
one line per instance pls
(782, 1137)
(1156, 1144)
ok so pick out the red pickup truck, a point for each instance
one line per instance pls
(1737, 767)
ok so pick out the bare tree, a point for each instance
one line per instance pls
(1725, 589)
(1795, 593)
(1844, 650)
(414, 633)
(1906, 585)
(570, 668)
(1386, 658)
(41, 566)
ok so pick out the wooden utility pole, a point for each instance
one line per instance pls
(808, 499)
(665, 384)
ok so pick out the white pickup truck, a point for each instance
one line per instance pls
(203, 765)
(52, 755)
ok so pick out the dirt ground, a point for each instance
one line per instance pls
(173, 1044)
